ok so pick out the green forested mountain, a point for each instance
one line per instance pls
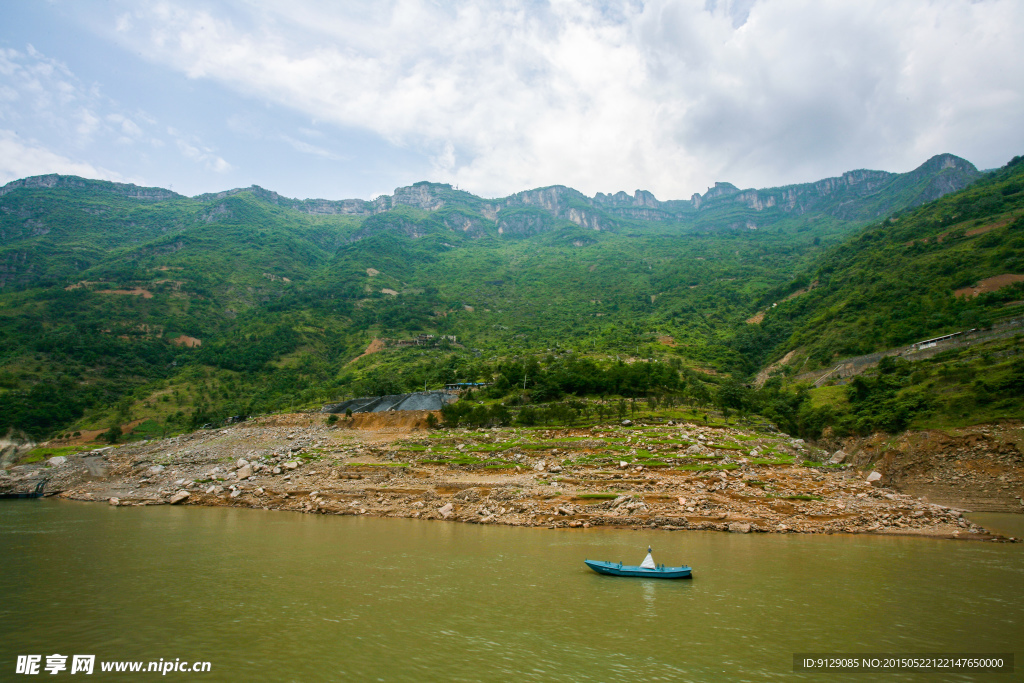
(120, 303)
(952, 265)
(897, 281)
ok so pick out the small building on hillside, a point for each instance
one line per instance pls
(465, 386)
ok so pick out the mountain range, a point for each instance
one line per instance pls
(123, 301)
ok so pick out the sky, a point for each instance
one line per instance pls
(320, 98)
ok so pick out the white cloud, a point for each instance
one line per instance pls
(20, 158)
(204, 156)
(42, 99)
(260, 128)
(314, 150)
(664, 95)
(130, 130)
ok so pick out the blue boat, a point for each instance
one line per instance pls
(37, 493)
(647, 569)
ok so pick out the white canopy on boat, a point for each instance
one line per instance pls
(648, 562)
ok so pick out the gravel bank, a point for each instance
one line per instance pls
(669, 476)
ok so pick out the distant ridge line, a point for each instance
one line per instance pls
(941, 174)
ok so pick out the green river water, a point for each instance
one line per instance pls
(276, 596)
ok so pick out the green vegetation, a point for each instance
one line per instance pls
(707, 468)
(44, 453)
(981, 383)
(182, 312)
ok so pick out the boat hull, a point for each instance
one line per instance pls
(632, 571)
(35, 493)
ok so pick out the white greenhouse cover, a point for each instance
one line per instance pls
(648, 562)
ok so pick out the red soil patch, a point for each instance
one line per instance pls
(762, 376)
(285, 420)
(137, 291)
(667, 340)
(798, 292)
(374, 426)
(756, 319)
(187, 341)
(87, 436)
(375, 346)
(979, 230)
(989, 284)
(390, 421)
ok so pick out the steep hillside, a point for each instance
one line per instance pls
(950, 265)
(120, 303)
(955, 265)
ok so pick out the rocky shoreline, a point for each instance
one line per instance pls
(667, 476)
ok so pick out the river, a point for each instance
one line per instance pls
(279, 596)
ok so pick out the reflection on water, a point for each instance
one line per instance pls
(1005, 523)
(287, 597)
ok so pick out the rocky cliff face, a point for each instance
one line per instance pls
(642, 205)
(977, 468)
(387, 223)
(942, 174)
(855, 195)
(330, 207)
(862, 194)
(523, 224)
(419, 196)
(561, 202)
(640, 199)
(54, 181)
(471, 225)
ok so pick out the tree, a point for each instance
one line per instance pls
(112, 434)
(699, 394)
(732, 396)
